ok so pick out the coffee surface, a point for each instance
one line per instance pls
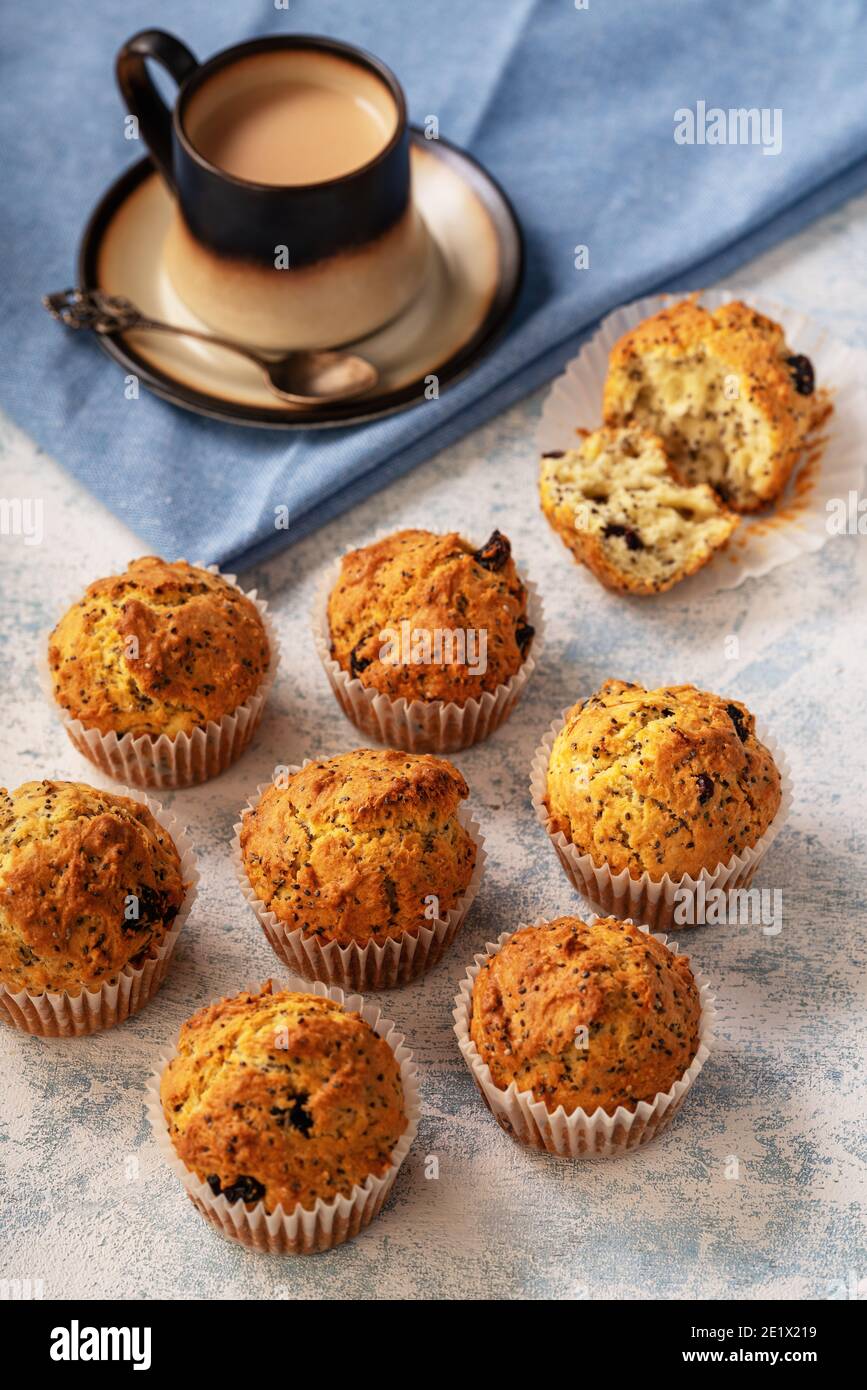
(292, 132)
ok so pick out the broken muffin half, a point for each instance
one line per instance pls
(730, 400)
(619, 505)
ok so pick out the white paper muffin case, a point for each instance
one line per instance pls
(650, 901)
(376, 965)
(423, 726)
(92, 1011)
(184, 759)
(327, 1224)
(579, 1135)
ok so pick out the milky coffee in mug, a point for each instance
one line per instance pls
(288, 160)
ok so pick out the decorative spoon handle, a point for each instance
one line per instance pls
(104, 313)
(108, 313)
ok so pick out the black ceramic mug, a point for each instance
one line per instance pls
(288, 162)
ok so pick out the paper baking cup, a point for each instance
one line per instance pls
(300, 1231)
(579, 1135)
(644, 899)
(75, 1015)
(184, 759)
(423, 726)
(374, 966)
(832, 461)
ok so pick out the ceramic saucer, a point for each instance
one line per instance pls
(476, 266)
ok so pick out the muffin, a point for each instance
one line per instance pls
(618, 504)
(288, 1099)
(670, 781)
(167, 653)
(90, 884)
(586, 1017)
(359, 851)
(437, 634)
(730, 400)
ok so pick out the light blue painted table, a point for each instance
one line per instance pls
(86, 1206)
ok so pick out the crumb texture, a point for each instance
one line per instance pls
(724, 391)
(160, 649)
(586, 1016)
(89, 883)
(619, 506)
(671, 781)
(353, 848)
(433, 584)
(283, 1098)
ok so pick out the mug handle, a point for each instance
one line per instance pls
(141, 96)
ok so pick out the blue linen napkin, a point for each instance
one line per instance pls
(573, 109)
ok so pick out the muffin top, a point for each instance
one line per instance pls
(89, 883)
(356, 847)
(670, 781)
(427, 617)
(282, 1097)
(586, 1017)
(160, 649)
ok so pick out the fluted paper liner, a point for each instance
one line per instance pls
(185, 759)
(579, 1134)
(374, 966)
(423, 726)
(832, 459)
(300, 1231)
(647, 900)
(75, 1015)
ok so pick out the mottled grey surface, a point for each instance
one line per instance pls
(88, 1208)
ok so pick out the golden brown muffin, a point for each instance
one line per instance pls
(730, 400)
(427, 617)
(160, 649)
(352, 848)
(89, 883)
(586, 1016)
(671, 781)
(619, 506)
(282, 1098)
